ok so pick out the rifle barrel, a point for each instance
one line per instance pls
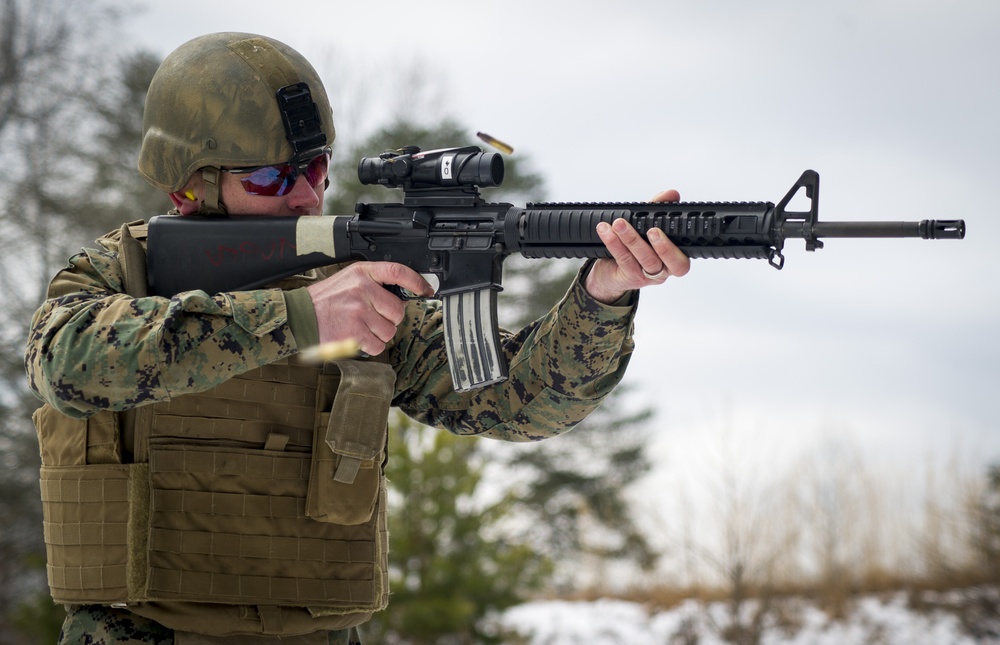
(926, 229)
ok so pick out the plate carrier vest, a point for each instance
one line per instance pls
(258, 506)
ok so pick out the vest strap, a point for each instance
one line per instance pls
(133, 261)
(190, 638)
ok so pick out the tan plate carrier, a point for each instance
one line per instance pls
(258, 506)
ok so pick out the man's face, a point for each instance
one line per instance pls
(304, 198)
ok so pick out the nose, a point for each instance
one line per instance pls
(303, 196)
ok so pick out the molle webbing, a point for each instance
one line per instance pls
(229, 520)
(230, 527)
(86, 530)
(237, 504)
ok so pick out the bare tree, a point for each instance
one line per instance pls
(736, 537)
(572, 488)
(52, 64)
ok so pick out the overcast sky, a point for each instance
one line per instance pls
(887, 345)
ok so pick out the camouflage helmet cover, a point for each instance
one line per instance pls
(212, 102)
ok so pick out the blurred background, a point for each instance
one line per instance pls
(824, 431)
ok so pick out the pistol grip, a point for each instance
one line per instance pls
(471, 339)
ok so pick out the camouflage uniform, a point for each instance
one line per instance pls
(92, 348)
(99, 625)
(105, 625)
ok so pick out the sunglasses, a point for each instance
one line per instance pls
(279, 179)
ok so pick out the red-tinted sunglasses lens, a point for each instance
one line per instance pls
(279, 180)
(318, 169)
(270, 181)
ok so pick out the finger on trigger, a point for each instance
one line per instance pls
(403, 277)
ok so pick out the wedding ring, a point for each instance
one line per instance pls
(661, 275)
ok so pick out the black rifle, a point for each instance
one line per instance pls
(443, 227)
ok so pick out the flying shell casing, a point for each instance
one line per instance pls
(496, 143)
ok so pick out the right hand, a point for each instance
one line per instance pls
(353, 304)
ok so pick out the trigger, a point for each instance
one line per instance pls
(406, 294)
(399, 292)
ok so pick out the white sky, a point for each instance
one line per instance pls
(891, 344)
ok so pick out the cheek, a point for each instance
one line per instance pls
(238, 202)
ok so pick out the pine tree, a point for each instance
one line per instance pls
(571, 485)
(520, 182)
(450, 565)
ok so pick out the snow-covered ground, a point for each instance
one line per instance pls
(872, 621)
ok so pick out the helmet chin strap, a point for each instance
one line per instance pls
(212, 205)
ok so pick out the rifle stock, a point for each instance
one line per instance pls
(453, 234)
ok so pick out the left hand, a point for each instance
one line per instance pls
(634, 262)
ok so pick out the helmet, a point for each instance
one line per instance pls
(231, 99)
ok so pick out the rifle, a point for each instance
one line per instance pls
(443, 227)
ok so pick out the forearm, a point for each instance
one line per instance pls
(92, 348)
(561, 369)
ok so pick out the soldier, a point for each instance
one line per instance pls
(200, 482)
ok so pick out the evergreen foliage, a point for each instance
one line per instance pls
(462, 547)
(451, 566)
(568, 486)
(346, 191)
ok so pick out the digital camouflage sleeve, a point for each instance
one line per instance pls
(92, 347)
(562, 367)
